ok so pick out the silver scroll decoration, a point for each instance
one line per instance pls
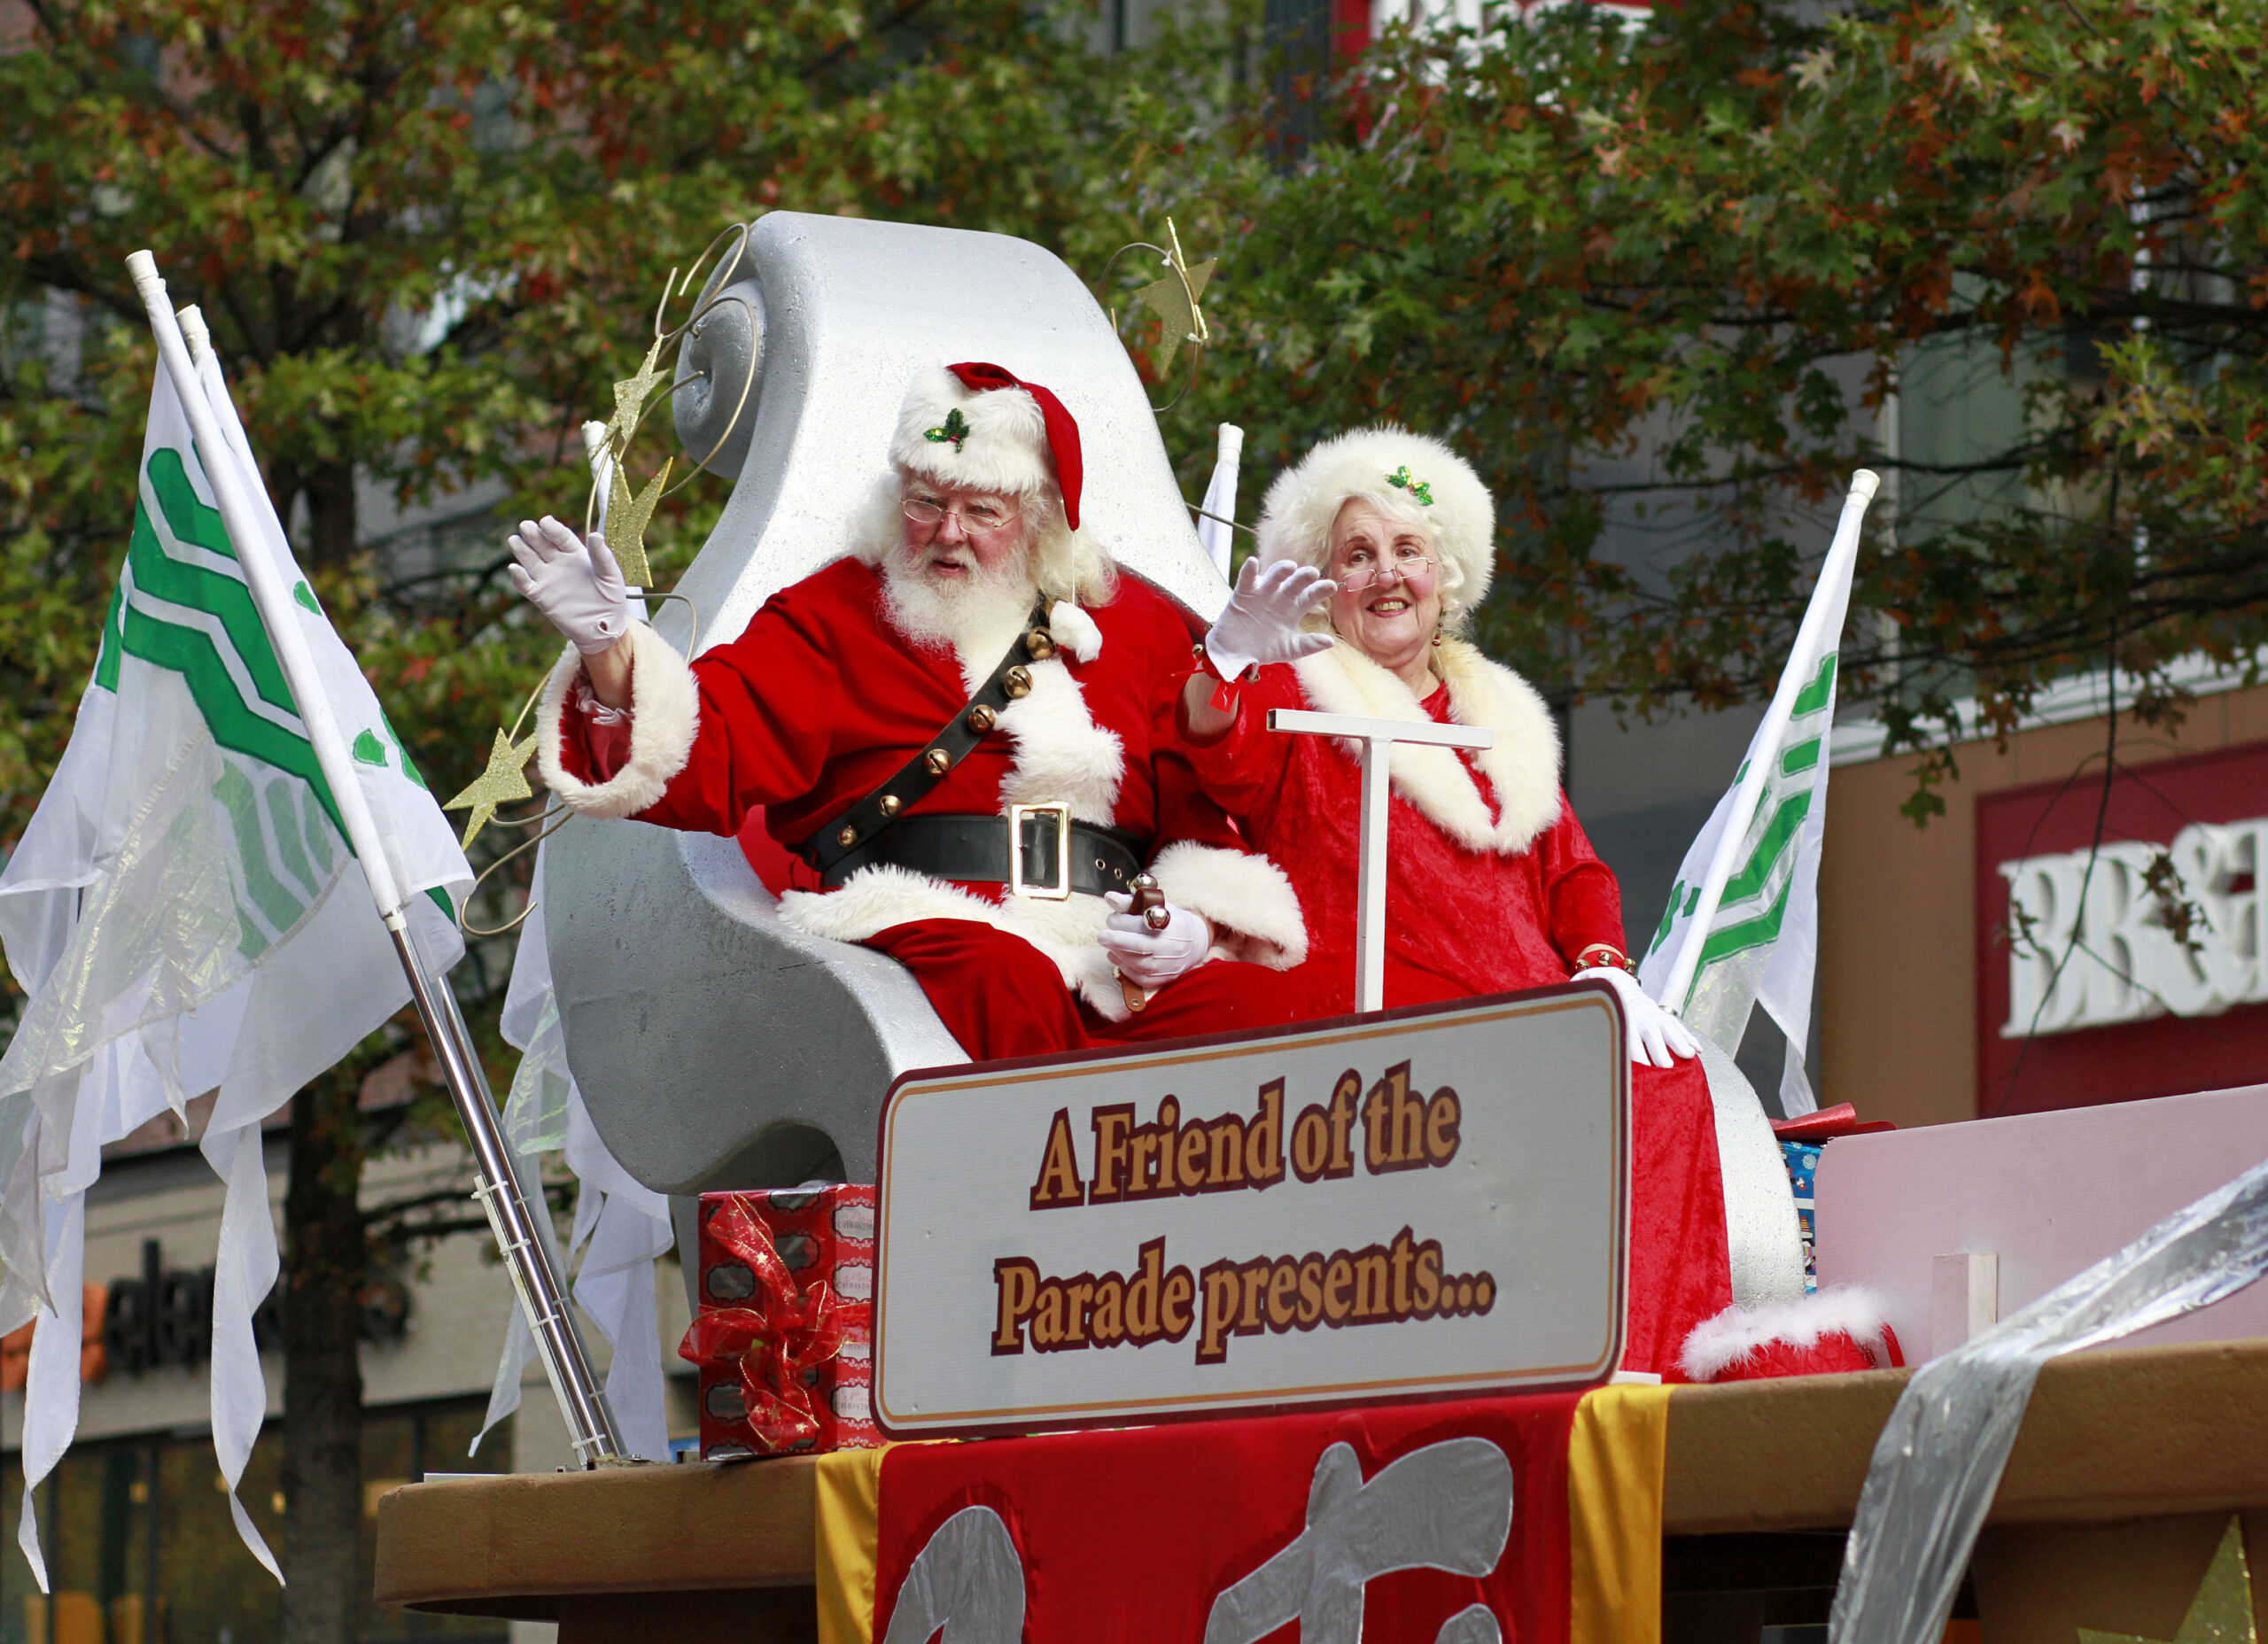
(968, 1579)
(1446, 1506)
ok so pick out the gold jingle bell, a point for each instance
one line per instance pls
(981, 718)
(846, 835)
(938, 761)
(892, 804)
(1040, 645)
(1017, 682)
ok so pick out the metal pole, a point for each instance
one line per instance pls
(590, 1424)
(527, 1255)
(1369, 918)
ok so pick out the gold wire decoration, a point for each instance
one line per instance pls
(558, 816)
(2221, 1610)
(1177, 298)
(628, 511)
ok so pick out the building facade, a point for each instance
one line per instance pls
(134, 1523)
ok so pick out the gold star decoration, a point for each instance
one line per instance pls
(626, 519)
(505, 781)
(630, 397)
(2221, 1612)
(1177, 301)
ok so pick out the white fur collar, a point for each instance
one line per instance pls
(1523, 766)
(1061, 753)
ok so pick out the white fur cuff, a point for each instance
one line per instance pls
(664, 718)
(1254, 911)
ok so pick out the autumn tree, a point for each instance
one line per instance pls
(1671, 283)
(1665, 283)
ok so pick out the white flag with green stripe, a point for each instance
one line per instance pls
(1742, 925)
(185, 915)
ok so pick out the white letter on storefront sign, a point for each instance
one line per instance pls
(2121, 942)
(1446, 1506)
(2043, 909)
(2127, 964)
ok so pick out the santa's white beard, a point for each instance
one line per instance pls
(976, 615)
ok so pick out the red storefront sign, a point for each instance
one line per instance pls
(2065, 1025)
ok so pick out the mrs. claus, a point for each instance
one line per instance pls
(1373, 552)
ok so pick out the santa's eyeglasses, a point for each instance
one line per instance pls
(981, 514)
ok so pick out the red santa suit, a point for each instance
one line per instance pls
(822, 700)
(1491, 887)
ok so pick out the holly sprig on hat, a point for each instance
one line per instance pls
(1401, 481)
(955, 429)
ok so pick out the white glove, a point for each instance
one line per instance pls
(579, 588)
(1151, 958)
(1656, 1037)
(1261, 623)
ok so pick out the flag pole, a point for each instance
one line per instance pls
(1840, 552)
(590, 1422)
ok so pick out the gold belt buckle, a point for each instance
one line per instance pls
(1059, 891)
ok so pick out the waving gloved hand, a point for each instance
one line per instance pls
(579, 588)
(1656, 1038)
(1152, 957)
(1261, 623)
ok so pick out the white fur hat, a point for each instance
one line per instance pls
(981, 427)
(1410, 476)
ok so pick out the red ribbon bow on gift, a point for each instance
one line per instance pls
(773, 1342)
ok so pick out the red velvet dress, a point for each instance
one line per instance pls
(1491, 887)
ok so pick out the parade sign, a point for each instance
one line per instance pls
(1427, 1203)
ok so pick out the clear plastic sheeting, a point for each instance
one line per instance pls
(621, 1229)
(1939, 1459)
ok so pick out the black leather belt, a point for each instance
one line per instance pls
(1058, 856)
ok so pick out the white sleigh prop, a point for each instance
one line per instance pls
(715, 1046)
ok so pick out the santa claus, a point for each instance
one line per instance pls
(965, 732)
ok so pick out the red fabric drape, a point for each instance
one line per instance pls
(1129, 1537)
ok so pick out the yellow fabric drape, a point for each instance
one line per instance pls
(850, 1530)
(1614, 1513)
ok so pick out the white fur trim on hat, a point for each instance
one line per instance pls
(665, 716)
(1522, 765)
(1305, 500)
(1252, 907)
(1005, 448)
(1718, 1343)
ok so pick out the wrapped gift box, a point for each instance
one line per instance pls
(784, 1334)
(1803, 1164)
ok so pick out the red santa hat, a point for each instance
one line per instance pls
(982, 427)
(1836, 1329)
(1406, 475)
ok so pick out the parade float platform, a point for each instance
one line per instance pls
(2130, 1464)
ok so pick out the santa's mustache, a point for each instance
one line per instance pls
(932, 561)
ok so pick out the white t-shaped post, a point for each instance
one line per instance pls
(1377, 738)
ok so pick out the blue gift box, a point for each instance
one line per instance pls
(1802, 1160)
